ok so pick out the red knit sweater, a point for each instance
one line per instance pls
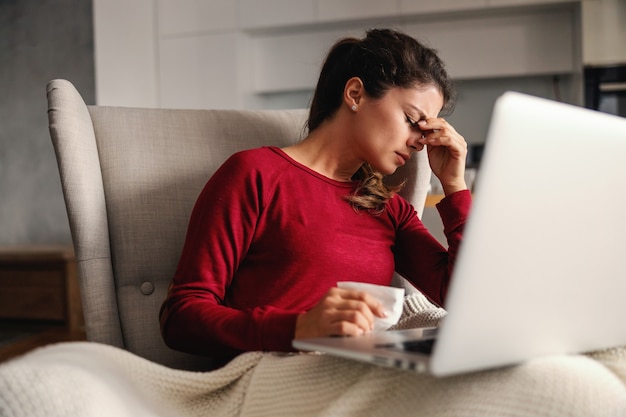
(268, 237)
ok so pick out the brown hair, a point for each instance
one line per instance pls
(385, 58)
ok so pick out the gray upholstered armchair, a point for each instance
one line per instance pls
(130, 177)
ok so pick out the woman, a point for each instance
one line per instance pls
(274, 229)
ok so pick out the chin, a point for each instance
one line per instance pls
(387, 171)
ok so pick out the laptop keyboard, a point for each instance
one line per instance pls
(423, 346)
(420, 346)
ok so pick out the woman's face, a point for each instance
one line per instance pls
(386, 132)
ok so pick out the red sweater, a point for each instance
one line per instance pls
(268, 237)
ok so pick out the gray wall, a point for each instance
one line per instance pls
(39, 40)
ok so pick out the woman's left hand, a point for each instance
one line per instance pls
(447, 151)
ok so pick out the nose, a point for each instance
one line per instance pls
(413, 141)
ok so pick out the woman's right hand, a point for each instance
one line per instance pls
(447, 151)
(341, 312)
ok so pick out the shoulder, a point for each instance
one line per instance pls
(265, 154)
(246, 176)
(253, 173)
(259, 160)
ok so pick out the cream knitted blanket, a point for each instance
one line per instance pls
(87, 379)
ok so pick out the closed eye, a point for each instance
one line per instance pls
(411, 122)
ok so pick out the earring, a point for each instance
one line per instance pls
(353, 107)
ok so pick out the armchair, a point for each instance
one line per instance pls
(130, 177)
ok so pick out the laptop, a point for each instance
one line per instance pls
(541, 268)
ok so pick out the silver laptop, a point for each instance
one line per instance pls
(541, 269)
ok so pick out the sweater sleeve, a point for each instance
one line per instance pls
(194, 317)
(421, 258)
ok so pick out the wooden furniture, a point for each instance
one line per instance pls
(32, 336)
(39, 284)
(433, 199)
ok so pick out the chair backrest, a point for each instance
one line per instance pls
(130, 178)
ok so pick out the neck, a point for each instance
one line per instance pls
(327, 152)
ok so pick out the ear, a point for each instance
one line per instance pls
(353, 92)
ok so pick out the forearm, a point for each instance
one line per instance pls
(454, 211)
(201, 326)
(422, 259)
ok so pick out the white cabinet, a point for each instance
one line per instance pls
(255, 14)
(604, 32)
(224, 53)
(494, 45)
(526, 2)
(291, 61)
(332, 10)
(178, 17)
(439, 6)
(497, 45)
(201, 71)
(125, 53)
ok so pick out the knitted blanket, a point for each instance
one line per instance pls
(88, 379)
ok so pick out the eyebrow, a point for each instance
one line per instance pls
(419, 112)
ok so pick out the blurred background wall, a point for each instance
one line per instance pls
(39, 40)
(259, 54)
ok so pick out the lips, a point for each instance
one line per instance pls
(403, 157)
